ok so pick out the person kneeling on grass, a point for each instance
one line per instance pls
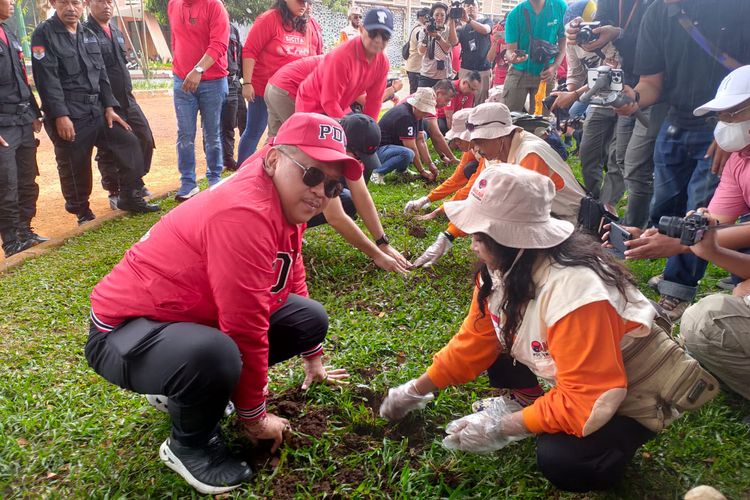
(494, 137)
(215, 292)
(458, 184)
(552, 300)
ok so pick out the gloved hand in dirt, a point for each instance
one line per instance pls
(416, 205)
(487, 430)
(402, 400)
(435, 251)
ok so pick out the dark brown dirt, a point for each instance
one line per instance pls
(417, 231)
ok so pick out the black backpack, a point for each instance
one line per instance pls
(405, 49)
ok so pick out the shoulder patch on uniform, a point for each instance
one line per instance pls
(38, 52)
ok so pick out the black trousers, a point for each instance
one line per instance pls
(18, 171)
(595, 462)
(196, 366)
(105, 159)
(426, 81)
(74, 157)
(233, 115)
(413, 81)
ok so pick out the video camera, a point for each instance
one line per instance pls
(605, 89)
(689, 229)
(586, 33)
(431, 25)
(456, 11)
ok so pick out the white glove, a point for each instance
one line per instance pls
(434, 252)
(403, 399)
(486, 431)
(416, 205)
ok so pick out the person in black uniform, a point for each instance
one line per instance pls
(234, 112)
(20, 118)
(112, 43)
(79, 110)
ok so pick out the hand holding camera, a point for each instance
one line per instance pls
(515, 56)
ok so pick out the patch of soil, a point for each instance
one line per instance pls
(417, 231)
(450, 477)
(373, 398)
(285, 485)
(349, 475)
(368, 373)
(418, 431)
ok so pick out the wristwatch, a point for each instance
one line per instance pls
(383, 240)
(198, 69)
(637, 96)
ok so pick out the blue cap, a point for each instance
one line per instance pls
(379, 18)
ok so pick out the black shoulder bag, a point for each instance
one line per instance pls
(540, 51)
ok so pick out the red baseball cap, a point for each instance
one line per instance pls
(319, 137)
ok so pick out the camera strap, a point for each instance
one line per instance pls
(630, 17)
(707, 45)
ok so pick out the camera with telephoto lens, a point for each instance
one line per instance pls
(689, 229)
(431, 25)
(456, 12)
(586, 33)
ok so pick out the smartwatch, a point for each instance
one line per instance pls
(383, 240)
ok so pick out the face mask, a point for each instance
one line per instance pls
(732, 137)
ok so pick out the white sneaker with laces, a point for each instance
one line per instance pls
(377, 178)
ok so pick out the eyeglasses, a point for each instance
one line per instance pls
(313, 176)
(472, 126)
(379, 33)
(725, 116)
(356, 16)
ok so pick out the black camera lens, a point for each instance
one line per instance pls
(671, 226)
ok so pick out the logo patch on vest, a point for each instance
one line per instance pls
(38, 52)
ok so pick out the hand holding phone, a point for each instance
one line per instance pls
(618, 235)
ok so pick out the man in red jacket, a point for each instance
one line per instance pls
(356, 67)
(215, 292)
(200, 38)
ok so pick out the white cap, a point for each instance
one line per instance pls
(458, 128)
(424, 100)
(489, 120)
(734, 90)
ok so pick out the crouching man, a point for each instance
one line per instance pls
(215, 292)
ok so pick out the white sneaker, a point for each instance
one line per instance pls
(161, 403)
(185, 197)
(377, 178)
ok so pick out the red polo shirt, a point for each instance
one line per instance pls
(273, 46)
(198, 27)
(344, 75)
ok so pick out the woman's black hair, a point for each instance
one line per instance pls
(288, 20)
(578, 250)
(436, 6)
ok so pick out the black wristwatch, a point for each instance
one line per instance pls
(383, 240)
(637, 96)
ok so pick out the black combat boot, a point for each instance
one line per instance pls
(135, 204)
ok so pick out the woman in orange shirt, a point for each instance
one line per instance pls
(549, 303)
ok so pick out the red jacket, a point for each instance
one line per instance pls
(290, 76)
(198, 27)
(344, 75)
(228, 259)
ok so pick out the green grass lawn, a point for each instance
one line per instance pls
(66, 433)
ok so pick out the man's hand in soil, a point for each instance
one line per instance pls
(434, 252)
(316, 372)
(402, 400)
(65, 128)
(416, 205)
(269, 427)
(396, 255)
(388, 263)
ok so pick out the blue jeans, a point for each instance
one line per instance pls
(257, 121)
(209, 100)
(682, 181)
(394, 157)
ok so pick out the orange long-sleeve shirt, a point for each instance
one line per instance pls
(531, 161)
(456, 181)
(585, 346)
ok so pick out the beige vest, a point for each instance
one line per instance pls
(559, 291)
(567, 201)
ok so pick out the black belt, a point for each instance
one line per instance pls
(84, 98)
(14, 109)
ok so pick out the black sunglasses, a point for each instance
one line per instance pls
(471, 126)
(381, 33)
(313, 176)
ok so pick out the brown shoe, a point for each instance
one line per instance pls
(673, 306)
